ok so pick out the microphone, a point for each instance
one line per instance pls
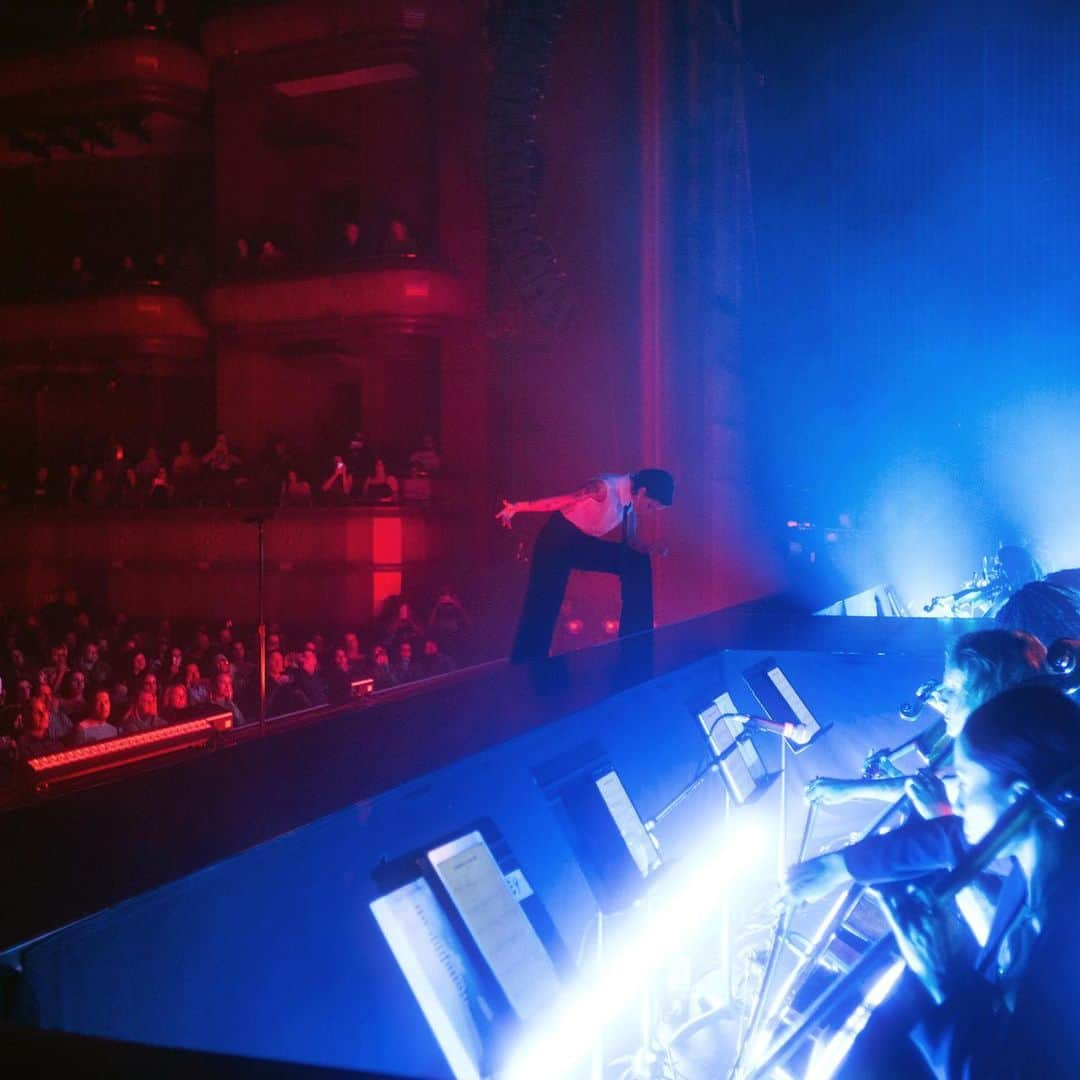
(797, 733)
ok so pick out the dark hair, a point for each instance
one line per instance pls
(1043, 609)
(659, 483)
(994, 660)
(1029, 733)
(1069, 579)
(1018, 565)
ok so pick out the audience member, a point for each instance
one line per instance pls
(36, 739)
(73, 696)
(339, 678)
(197, 691)
(185, 474)
(309, 683)
(148, 466)
(380, 487)
(129, 22)
(403, 669)
(98, 489)
(175, 707)
(76, 482)
(222, 465)
(160, 21)
(131, 496)
(271, 256)
(127, 276)
(96, 727)
(351, 247)
(398, 240)
(360, 458)
(221, 696)
(143, 715)
(41, 494)
(337, 487)
(380, 670)
(294, 491)
(435, 661)
(426, 460)
(59, 725)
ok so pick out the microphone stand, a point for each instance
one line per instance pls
(259, 521)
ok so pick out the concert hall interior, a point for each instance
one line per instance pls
(539, 539)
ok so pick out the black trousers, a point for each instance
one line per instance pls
(560, 548)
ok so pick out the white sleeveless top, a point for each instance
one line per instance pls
(599, 518)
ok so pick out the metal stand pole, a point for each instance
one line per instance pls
(597, 1071)
(261, 525)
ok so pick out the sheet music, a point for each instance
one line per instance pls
(642, 849)
(787, 692)
(505, 937)
(442, 979)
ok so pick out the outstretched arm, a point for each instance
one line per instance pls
(594, 489)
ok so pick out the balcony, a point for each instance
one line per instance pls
(409, 295)
(102, 80)
(77, 334)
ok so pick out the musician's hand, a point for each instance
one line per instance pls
(815, 878)
(506, 514)
(825, 791)
(930, 939)
(928, 795)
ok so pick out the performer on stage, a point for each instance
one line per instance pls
(571, 539)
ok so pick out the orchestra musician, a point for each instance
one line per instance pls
(978, 666)
(1014, 1012)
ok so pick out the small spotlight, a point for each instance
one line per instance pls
(574, 626)
(611, 626)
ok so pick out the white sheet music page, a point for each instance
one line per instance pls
(505, 937)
